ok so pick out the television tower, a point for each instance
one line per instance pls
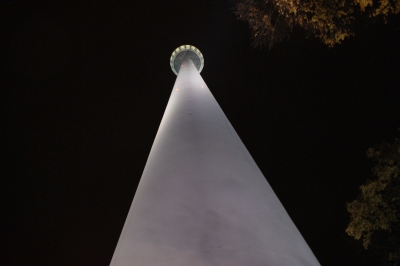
(202, 200)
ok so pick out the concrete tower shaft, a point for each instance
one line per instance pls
(202, 200)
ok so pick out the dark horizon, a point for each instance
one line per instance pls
(85, 87)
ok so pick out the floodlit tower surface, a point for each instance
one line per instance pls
(202, 200)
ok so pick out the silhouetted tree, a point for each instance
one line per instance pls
(375, 215)
(271, 21)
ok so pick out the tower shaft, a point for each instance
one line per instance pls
(202, 200)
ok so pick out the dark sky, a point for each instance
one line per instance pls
(84, 88)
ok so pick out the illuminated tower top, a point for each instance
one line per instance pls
(186, 51)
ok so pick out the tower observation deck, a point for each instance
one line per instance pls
(202, 200)
(186, 51)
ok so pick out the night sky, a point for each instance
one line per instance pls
(84, 88)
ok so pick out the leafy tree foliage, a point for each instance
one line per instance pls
(271, 21)
(375, 215)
